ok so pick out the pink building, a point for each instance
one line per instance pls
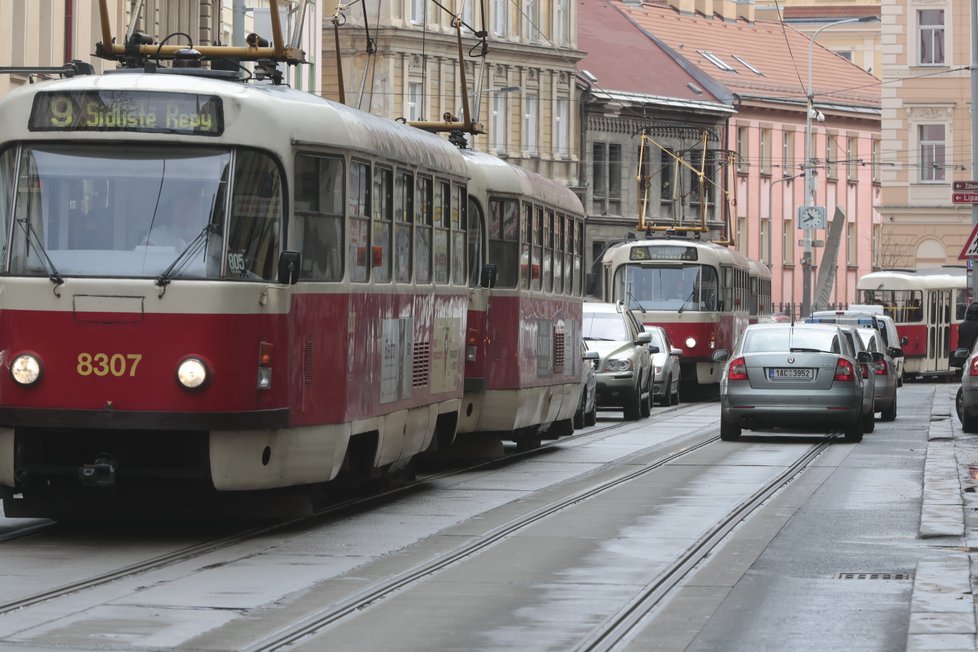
(759, 161)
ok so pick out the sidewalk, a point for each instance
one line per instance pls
(942, 604)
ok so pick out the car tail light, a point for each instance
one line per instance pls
(881, 368)
(737, 369)
(865, 369)
(844, 371)
(974, 368)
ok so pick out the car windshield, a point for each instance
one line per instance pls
(604, 326)
(790, 339)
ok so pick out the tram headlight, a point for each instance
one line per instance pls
(192, 373)
(690, 342)
(25, 369)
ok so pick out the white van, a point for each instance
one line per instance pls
(884, 324)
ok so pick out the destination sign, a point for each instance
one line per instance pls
(142, 111)
(666, 252)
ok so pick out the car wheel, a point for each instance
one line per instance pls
(969, 423)
(579, 419)
(729, 431)
(591, 418)
(854, 431)
(889, 414)
(633, 407)
(869, 422)
(959, 405)
(646, 403)
(674, 397)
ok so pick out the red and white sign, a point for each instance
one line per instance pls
(964, 197)
(971, 246)
(964, 186)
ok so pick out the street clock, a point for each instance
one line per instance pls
(811, 217)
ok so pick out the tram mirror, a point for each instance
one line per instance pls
(488, 277)
(904, 340)
(288, 267)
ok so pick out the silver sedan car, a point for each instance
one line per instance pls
(884, 371)
(966, 402)
(795, 375)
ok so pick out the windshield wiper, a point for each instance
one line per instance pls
(34, 240)
(189, 252)
(635, 303)
(686, 302)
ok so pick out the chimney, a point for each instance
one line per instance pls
(685, 7)
(745, 10)
(705, 7)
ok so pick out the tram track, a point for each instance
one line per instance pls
(320, 517)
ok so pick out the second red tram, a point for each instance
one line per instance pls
(702, 293)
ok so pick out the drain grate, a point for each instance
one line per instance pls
(874, 576)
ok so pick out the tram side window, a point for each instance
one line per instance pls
(319, 217)
(459, 217)
(7, 161)
(504, 241)
(559, 248)
(475, 222)
(403, 222)
(548, 251)
(726, 292)
(526, 239)
(383, 215)
(256, 224)
(422, 255)
(443, 216)
(578, 257)
(359, 221)
(536, 260)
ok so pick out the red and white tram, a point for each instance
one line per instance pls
(523, 366)
(325, 314)
(699, 291)
(927, 305)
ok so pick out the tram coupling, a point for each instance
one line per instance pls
(100, 473)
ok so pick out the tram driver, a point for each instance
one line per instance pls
(178, 224)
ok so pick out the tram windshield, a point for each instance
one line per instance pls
(138, 211)
(686, 287)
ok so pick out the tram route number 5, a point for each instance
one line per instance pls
(104, 364)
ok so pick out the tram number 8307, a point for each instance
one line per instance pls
(103, 364)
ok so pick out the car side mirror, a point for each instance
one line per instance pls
(644, 338)
(653, 349)
(591, 355)
(864, 357)
(958, 358)
(720, 355)
(288, 267)
(895, 352)
(676, 352)
(878, 356)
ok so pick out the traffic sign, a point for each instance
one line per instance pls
(964, 197)
(971, 246)
(965, 186)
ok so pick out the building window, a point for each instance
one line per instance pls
(606, 178)
(766, 136)
(831, 156)
(877, 231)
(415, 101)
(852, 241)
(788, 153)
(717, 61)
(742, 234)
(666, 176)
(788, 241)
(876, 158)
(930, 26)
(499, 17)
(852, 158)
(932, 151)
(561, 21)
(700, 189)
(499, 123)
(530, 124)
(417, 11)
(468, 17)
(531, 21)
(765, 240)
(743, 149)
(560, 128)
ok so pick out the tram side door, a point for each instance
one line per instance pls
(938, 331)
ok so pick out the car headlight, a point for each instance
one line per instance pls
(25, 369)
(690, 342)
(619, 365)
(658, 369)
(192, 373)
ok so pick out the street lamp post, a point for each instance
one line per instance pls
(808, 251)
